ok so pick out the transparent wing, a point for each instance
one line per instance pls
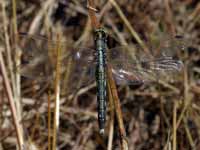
(170, 46)
(131, 65)
(39, 62)
(35, 60)
(78, 70)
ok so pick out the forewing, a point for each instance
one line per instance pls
(134, 66)
(39, 57)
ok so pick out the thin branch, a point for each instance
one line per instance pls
(118, 110)
(93, 18)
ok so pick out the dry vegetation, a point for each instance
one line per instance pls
(156, 116)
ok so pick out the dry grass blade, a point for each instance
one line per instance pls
(187, 99)
(112, 115)
(130, 28)
(36, 22)
(57, 95)
(18, 128)
(8, 47)
(174, 126)
(188, 133)
(49, 121)
(17, 84)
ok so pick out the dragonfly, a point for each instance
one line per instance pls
(83, 66)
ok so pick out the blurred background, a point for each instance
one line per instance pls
(151, 112)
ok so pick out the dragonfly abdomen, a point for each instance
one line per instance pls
(101, 97)
(100, 42)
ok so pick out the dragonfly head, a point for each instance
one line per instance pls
(100, 33)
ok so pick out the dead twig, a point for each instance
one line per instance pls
(118, 111)
(93, 18)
